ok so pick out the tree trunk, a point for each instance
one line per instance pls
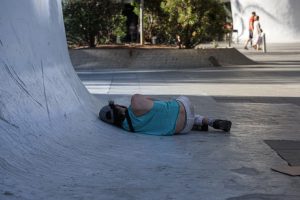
(92, 41)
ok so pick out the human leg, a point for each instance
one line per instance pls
(246, 44)
(249, 40)
(201, 123)
(198, 122)
(259, 43)
(251, 37)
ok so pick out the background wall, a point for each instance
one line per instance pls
(279, 19)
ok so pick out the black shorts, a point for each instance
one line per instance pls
(250, 34)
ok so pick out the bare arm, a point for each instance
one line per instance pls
(141, 104)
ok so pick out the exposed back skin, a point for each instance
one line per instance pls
(141, 104)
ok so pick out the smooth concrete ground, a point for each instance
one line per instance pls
(53, 146)
(261, 100)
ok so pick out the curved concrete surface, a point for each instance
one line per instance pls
(279, 19)
(156, 58)
(52, 146)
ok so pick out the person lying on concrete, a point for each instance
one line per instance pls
(155, 117)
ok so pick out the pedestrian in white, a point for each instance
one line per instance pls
(257, 34)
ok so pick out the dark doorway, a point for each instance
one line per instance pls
(131, 24)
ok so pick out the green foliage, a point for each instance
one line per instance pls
(91, 21)
(100, 21)
(154, 19)
(119, 29)
(194, 20)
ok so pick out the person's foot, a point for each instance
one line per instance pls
(200, 127)
(224, 125)
(246, 48)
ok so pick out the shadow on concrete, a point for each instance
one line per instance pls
(255, 99)
(209, 76)
(218, 99)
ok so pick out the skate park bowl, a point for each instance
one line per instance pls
(52, 144)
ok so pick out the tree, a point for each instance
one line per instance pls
(194, 20)
(88, 20)
(154, 18)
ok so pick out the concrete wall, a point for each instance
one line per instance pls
(155, 58)
(279, 18)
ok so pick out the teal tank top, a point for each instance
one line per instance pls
(160, 120)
